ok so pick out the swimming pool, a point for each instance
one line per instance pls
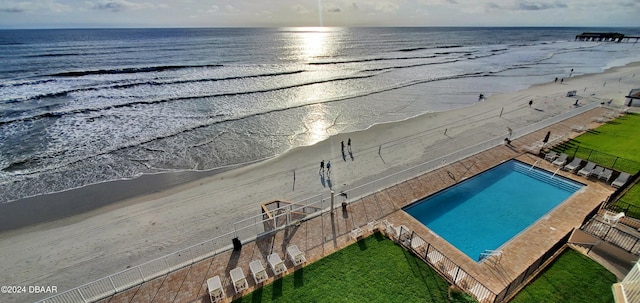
(487, 210)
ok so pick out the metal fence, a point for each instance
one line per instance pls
(446, 267)
(248, 229)
(531, 271)
(601, 158)
(613, 234)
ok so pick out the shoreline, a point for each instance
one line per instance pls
(46, 208)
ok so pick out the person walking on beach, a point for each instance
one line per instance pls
(321, 167)
(349, 144)
(561, 80)
(530, 102)
(328, 167)
(342, 146)
(556, 80)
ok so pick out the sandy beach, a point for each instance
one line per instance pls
(107, 237)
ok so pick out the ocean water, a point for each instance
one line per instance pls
(85, 106)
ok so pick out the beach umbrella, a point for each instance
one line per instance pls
(546, 138)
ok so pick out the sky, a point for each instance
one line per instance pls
(341, 13)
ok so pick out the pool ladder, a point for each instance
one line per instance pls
(534, 164)
(488, 253)
(554, 173)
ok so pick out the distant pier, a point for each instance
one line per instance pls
(609, 37)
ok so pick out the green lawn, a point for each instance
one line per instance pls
(614, 144)
(572, 277)
(372, 270)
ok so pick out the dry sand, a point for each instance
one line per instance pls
(78, 249)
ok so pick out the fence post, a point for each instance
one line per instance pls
(614, 162)
(589, 156)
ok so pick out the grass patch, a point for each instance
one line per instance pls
(613, 144)
(372, 270)
(572, 277)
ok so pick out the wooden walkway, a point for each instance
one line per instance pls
(322, 235)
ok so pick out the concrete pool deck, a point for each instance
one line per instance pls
(323, 235)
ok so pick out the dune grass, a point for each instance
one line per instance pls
(372, 270)
(614, 144)
(572, 277)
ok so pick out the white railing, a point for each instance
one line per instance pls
(630, 286)
(248, 229)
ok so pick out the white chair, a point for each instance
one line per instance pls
(372, 225)
(215, 289)
(238, 279)
(574, 165)
(561, 160)
(606, 175)
(258, 271)
(550, 156)
(277, 265)
(356, 233)
(612, 218)
(296, 256)
(434, 257)
(620, 180)
(587, 169)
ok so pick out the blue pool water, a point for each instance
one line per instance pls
(485, 211)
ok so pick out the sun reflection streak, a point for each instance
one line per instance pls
(313, 42)
(317, 124)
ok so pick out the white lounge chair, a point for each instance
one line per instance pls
(258, 271)
(434, 257)
(620, 180)
(418, 244)
(238, 279)
(215, 289)
(561, 160)
(372, 225)
(587, 169)
(574, 165)
(461, 275)
(612, 218)
(550, 156)
(356, 233)
(606, 175)
(277, 265)
(598, 171)
(296, 256)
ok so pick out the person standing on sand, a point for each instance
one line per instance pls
(321, 167)
(561, 80)
(530, 102)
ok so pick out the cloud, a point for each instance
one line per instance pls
(537, 6)
(354, 6)
(301, 9)
(334, 10)
(28, 6)
(387, 7)
(120, 5)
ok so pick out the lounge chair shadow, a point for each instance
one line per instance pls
(256, 295)
(362, 245)
(298, 278)
(233, 261)
(277, 289)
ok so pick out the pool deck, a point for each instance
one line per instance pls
(323, 235)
